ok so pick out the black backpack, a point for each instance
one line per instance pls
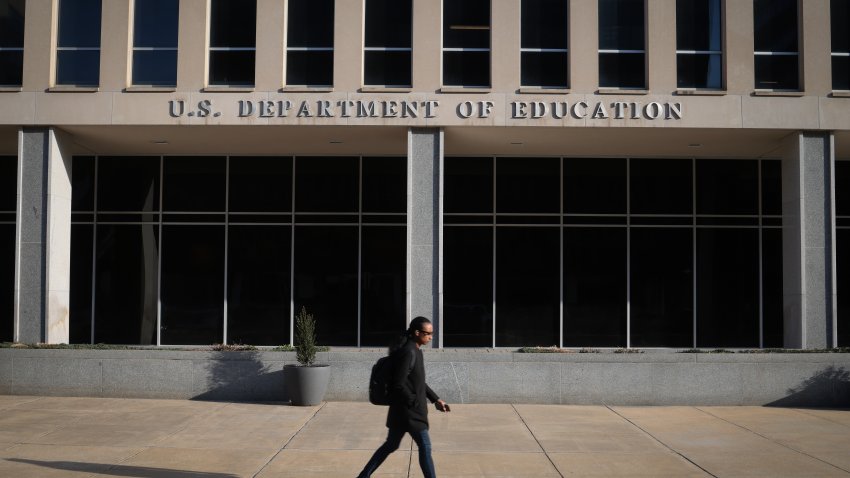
(379, 380)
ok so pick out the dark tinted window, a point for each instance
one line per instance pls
(128, 184)
(78, 44)
(468, 185)
(326, 184)
(383, 284)
(232, 68)
(594, 186)
(544, 69)
(7, 281)
(699, 71)
(528, 185)
(621, 25)
(233, 26)
(468, 286)
(385, 185)
(193, 183)
(82, 184)
(842, 188)
(309, 43)
(387, 68)
(260, 184)
(11, 42)
(466, 68)
(841, 72)
(775, 25)
(11, 68)
(466, 25)
(80, 300)
(777, 72)
(622, 70)
(544, 27)
(661, 186)
(312, 68)
(842, 256)
(771, 276)
(771, 187)
(388, 23)
(727, 187)
(155, 30)
(698, 25)
(840, 19)
(155, 68)
(8, 183)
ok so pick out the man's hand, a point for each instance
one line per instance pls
(442, 406)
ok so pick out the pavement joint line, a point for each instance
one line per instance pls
(803, 412)
(772, 440)
(306, 422)
(538, 441)
(661, 442)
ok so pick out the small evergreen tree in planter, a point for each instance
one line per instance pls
(306, 382)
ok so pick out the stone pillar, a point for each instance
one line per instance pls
(43, 238)
(424, 210)
(808, 231)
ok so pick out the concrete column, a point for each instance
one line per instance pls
(808, 223)
(43, 238)
(424, 208)
(192, 41)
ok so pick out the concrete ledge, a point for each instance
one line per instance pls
(457, 375)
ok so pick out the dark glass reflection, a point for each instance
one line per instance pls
(466, 24)
(594, 186)
(528, 185)
(771, 187)
(527, 283)
(383, 284)
(79, 23)
(727, 187)
(621, 25)
(7, 282)
(545, 69)
(544, 23)
(595, 287)
(12, 23)
(385, 184)
(310, 23)
(311, 68)
(661, 186)
(622, 70)
(232, 68)
(771, 276)
(777, 72)
(839, 15)
(260, 184)
(699, 71)
(155, 68)
(78, 67)
(727, 288)
(233, 23)
(192, 288)
(8, 183)
(661, 287)
(841, 73)
(193, 183)
(698, 25)
(11, 68)
(468, 286)
(842, 253)
(155, 23)
(389, 23)
(80, 306)
(775, 25)
(326, 280)
(468, 185)
(82, 183)
(258, 285)
(387, 68)
(466, 68)
(842, 188)
(128, 184)
(126, 284)
(326, 184)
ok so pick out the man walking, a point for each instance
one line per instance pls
(408, 411)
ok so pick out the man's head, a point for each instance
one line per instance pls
(420, 330)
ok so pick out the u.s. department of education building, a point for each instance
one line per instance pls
(598, 174)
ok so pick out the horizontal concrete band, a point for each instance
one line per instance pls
(458, 376)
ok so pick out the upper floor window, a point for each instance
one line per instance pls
(155, 42)
(78, 46)
(622, 40)
(466, 43)
(310, 43)
(543, 49)
(699, 50)
(776, 45)
(388, 42)
(233, 42)
(11, 42)
(840, 19)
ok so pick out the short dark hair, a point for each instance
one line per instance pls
(416, 324)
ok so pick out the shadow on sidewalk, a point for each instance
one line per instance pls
(121, 470)
(829, 387)
(242, 376)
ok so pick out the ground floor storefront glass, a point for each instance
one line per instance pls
(842, 250)
(8, 199)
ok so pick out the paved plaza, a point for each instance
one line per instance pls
(97, 437)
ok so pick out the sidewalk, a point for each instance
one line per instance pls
(50, 437)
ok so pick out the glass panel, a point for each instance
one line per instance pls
(232, 68)
(842, 188)
(387, 68)
(699, 71)
(528, 185)
(155, 68)
(621, 25)
(80, 305)
(727, 187)
(383, 284)
(544, 24)
(839, 14)
(771, 187)
(12, 23)
(126, 284)
(326, 281)
(771, 276)
(466, 24)
(698, 25)
(621, 70)
(594, 186)
(661, 186)
(233, 23)
(544, 69)
(661, 287)
(385, 184)
(468, 185)
(82, 183)
(841, 73)
(527, 281)
(78, 67)
(777, 72)
(842, 247)
(595, 287)
(312, 68)
(727, 288)
(260, 184)
(388, 23)
(8, 183)
(193, 183)
(326, 184)
(258, 290)
(466, 68)
(775, 25)
(192, 294)
(7, 282)
(128, 184)
(11, 68)
(310, 24)
(155, 23)
(79, 23)
(468, 286)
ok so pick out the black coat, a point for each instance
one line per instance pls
(408, 390)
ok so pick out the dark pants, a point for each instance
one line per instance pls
(423, 441)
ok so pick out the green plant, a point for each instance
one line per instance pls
(305, 338)
(232, 347)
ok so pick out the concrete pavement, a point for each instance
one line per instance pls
(96, 437)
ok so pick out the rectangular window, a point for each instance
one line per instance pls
(699, 47)
(155, 42)
(466, 43)
(388, 43)
(310, 43)
(543, 50)
(622, 52)
(8, 204)
(776, 45)
(233, 42)
(840, 19)
(78, 46)
(11, 42)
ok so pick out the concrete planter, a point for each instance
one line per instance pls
(306, 385)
